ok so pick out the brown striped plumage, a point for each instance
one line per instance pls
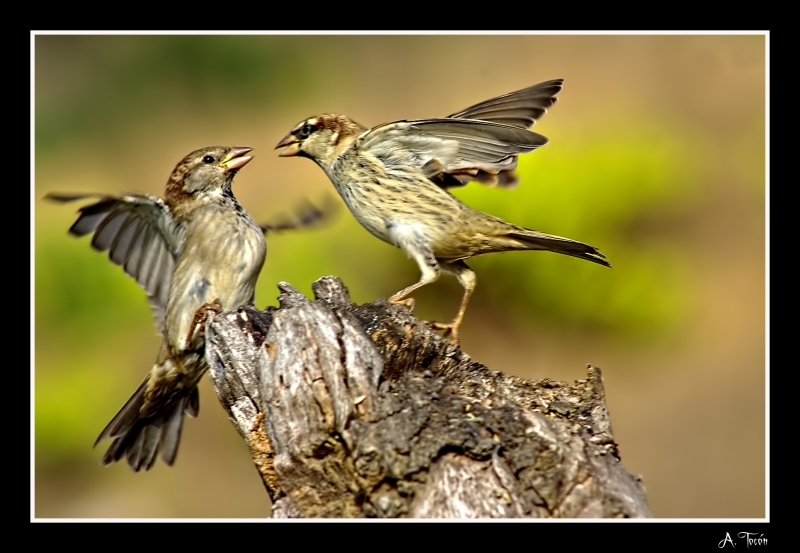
(195, 251)
(395, 179)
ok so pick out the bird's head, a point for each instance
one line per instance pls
(321, 138)
(204, 172)
(210, 169)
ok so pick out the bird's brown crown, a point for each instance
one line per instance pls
(321, 137)
(204, 171)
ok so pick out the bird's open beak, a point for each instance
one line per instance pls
(292, 145)
(236, 159)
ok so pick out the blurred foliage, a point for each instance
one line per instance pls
(80, 298)
(179, 71)
(72, 278)
(600, 189)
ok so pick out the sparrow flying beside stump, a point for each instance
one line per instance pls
(195, 251)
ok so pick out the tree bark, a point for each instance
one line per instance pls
(365, 411)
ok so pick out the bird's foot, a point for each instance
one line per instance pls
(408, 302)
(450, 329)
(200, 317)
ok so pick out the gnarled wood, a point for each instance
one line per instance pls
(364, 411)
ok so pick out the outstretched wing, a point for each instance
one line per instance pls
(453, 152)
(518, 109)
(306, 214)
(139, 233)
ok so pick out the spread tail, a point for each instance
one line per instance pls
(139, 438)
(534, 240)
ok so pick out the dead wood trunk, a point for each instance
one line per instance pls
(364, 411)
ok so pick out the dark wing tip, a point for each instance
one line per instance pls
(63, 198)
(307, 214)
(595, 256)
(521, 108)
(602, 262)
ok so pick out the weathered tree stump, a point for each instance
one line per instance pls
(365, 411)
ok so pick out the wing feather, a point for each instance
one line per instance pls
(452, 152)
(518, 109)
(139, 233)
(480, 143)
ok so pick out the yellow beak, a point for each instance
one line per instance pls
(292, 145)
(236, 159)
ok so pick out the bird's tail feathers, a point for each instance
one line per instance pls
(534, 240)
(139, 439)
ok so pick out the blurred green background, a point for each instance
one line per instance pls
(656, 156)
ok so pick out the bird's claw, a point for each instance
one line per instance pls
(408, 302)
(200, 317)
(449, 329)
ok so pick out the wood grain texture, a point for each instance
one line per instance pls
(365, 411)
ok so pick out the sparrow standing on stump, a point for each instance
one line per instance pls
(395, 177)
(196, 251)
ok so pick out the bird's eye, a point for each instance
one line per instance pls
(305, 131)
(208, 159)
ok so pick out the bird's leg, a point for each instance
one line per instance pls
(199, 322)
(466, 277)
(429, 267)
